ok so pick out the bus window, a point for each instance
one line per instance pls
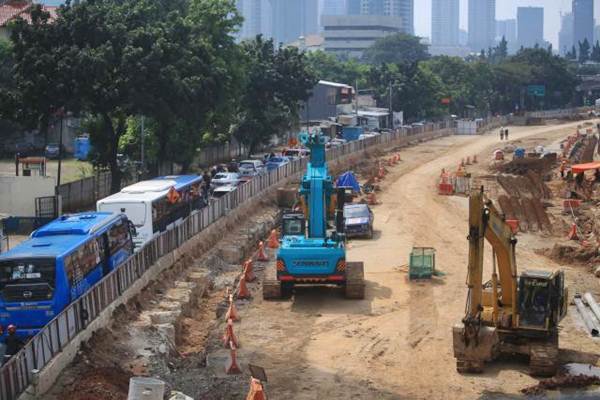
(118, 238)
(82, 261)
(27, 280)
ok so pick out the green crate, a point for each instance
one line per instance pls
(422, 263)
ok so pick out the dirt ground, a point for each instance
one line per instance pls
(72, 169)
(397, 343)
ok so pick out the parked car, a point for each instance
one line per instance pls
(251, 168)
(225, 178)
(358, 220)
(52, 151)
(295, 153)
(276, 162)
(221, 191)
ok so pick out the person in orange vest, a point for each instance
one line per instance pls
(563, 168)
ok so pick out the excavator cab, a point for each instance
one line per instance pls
(542, 300)
(293, 224)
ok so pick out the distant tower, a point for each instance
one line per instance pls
(257, 18)
(583, 21)
(482, 24)
(445, 22)
(292, 19)
(334, 7)
(404, 9)
(530, 26)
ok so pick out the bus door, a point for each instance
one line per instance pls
(104, 250)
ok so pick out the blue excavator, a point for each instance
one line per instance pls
(313, 243)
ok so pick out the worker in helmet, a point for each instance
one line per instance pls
(13, 343)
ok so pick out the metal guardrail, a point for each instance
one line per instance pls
(16, 375)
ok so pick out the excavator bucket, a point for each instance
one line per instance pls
(473, 351)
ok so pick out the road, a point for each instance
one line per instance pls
(396, 343)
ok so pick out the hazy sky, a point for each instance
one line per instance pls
(504, 9)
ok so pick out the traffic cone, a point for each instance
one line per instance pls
(475, 159)
(228, 335)
(468, 160)
(257, 392)
(243, 292)
(399, 158)
(232, 367)
(261, 256)
(573, 233)
(248, 269)
(232, 313)
(381, 172)
(273, 240)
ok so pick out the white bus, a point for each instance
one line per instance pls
(155, 205)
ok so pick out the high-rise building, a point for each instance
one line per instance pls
(482, 24)
(506, 28)
(404, 9)
(257, 18)
(583, 21)
(565, 36)
(445, 22)
(334, 7)
(530, 26)
(292, 19)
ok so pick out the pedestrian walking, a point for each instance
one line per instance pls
(13, 343)
(506, 134)
(501, 134)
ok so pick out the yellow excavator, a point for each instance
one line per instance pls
(510, 314)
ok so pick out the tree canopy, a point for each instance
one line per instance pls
(398, 48)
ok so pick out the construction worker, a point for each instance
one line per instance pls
(506, 134)
(13, 343)
(563, 168)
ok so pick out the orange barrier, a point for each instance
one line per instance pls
(228, 335)
(372, 199)
(232, 366)
(232, 313)
(573, 233)
(273, 242)
(257, 392)
(514, 225)
(261, 256)
(243, 292)
(446, 189)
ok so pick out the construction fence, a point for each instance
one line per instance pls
(21, 370)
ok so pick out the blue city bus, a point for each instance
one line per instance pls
(59, 262)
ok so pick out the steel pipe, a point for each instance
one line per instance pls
(587, 317)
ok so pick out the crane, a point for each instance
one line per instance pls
(509, 314)
(315, 254)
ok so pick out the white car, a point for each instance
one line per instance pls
(223, 190)
(225, 178)
(251, 168)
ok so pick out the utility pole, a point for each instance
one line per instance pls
(391, 108)
(356, 101)
(142, 150)
(60, 152)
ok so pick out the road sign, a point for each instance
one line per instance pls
(536, 90)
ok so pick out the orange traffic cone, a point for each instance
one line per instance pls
(243, 292)
(248, 269)
(232, 313)
(475, 159)
(229, 336)
(232, 367)
(257, 392)
(381, 172)
(399, 158)
(573, 233)
(273, 240)
(261, 256)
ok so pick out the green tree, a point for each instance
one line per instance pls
(398, 48)
(584, 51)
(276, 81)
(595, 56)
(330, 68)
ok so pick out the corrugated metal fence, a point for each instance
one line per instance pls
(16, 375)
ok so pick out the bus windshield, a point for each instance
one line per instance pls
(27, 271)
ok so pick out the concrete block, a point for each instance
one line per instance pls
(166, 331)
(165, 317)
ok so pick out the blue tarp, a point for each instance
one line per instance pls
(520, 152)
(347, 179)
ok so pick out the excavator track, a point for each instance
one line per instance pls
(543, 357)
(355, 281)
(271, 285)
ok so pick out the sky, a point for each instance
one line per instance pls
(505, 9)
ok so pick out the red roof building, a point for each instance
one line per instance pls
(12, 9)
